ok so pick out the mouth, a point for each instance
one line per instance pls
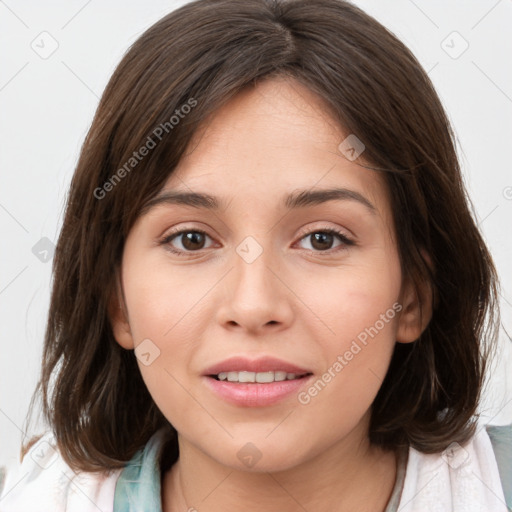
(244, 369)
(258, 377)
(262, 382)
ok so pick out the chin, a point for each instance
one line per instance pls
(261, 457)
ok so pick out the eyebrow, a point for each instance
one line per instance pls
(295, 200)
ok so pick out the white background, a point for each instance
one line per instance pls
(47, 106)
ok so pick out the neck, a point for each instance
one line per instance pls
(351, 475)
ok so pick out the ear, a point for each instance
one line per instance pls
(417, 309)
(118, 317)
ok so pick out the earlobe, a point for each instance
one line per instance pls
(119, 320)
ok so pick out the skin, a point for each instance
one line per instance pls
(295, 302)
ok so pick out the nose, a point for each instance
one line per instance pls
(255, 296)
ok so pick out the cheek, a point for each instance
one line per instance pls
(360, 308)
(163, 302)
(353, 299)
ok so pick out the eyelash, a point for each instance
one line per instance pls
(347, 242)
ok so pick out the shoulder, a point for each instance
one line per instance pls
(501, 440)
(43, 481)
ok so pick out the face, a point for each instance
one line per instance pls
(310, 288)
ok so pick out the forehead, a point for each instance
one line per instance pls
(267, 142)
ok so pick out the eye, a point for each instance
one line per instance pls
(321, 240)
(191, 240)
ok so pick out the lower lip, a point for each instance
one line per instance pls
(255, 394)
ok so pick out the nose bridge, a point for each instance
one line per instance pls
(252, 262)
(255, 296)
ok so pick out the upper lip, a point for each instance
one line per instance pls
(262, 364)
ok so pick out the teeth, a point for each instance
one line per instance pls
(261, 377)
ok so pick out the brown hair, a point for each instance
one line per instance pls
(203, 54)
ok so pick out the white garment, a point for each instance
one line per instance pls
(461, 479)
(45, 483)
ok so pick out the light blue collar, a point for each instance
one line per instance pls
(138, 485)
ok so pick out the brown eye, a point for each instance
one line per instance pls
(322, 240)
(190, 240)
